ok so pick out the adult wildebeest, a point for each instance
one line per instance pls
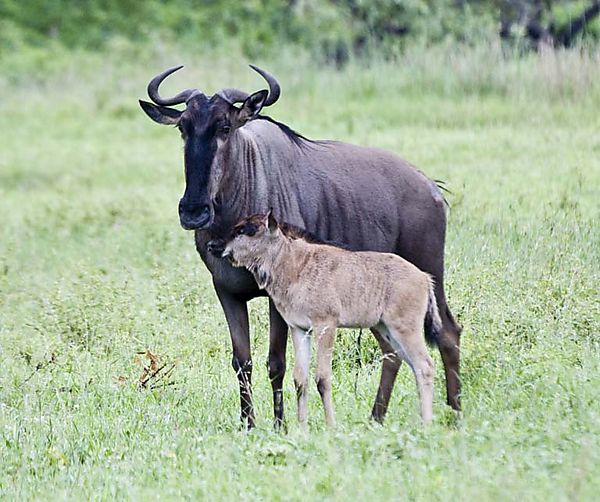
(238, 162)
(317, 288)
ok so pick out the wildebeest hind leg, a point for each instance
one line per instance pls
(389, 370)
(449, 346)
(427, 253)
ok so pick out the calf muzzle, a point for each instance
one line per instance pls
(216, 247)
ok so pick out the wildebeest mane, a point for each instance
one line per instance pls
(295, 137)
(295, 232)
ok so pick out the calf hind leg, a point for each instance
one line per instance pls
(411, 346)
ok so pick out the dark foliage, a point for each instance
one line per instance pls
(334, 30)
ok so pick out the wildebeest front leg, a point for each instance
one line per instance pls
(277, 347)
(236, 313)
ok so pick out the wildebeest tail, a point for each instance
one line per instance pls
(433, 322)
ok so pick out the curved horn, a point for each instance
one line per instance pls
(233, 96)
(182, 97)
(274, 89)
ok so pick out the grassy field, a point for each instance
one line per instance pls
(94, 268)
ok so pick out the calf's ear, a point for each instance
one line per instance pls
(271, 222)
(160, 114)
(252, 106)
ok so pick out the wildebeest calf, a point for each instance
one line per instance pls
(317, 287)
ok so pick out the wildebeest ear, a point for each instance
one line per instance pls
(271, 222)
(253, 105)
(160, 114)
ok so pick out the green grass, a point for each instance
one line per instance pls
(94, 268)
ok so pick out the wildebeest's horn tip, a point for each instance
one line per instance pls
(173, 69)
(257, 69)
(274, 88)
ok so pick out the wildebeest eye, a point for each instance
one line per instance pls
(241, 231)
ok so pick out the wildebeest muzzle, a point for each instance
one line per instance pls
(194, 216)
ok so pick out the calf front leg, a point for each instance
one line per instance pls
(236, 313)
(325, 336)
(301, 340)
(277, 347)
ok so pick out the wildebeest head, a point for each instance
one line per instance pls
(251, 238)
(206, 124)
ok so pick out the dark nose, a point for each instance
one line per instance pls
(193, 215)
(216, 247)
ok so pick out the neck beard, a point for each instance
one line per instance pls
(261, 275)
(262, 266)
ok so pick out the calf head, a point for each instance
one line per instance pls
(251, 240)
